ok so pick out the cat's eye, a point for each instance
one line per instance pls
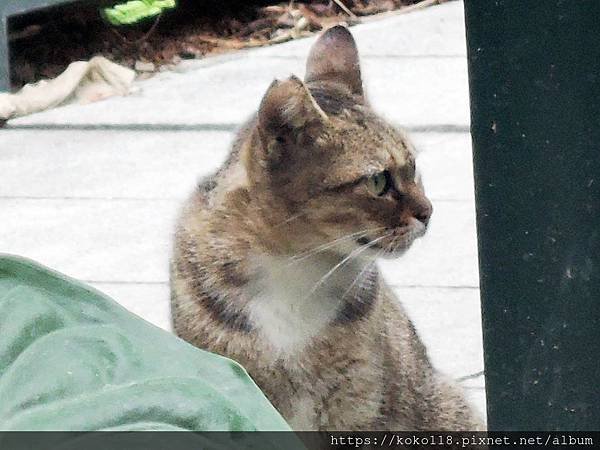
(379, 183)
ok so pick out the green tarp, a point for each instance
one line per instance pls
(73, 359)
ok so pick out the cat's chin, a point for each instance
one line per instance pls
(395, 253)
(391, 253)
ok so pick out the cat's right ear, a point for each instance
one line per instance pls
(287, 110)
(334, 58)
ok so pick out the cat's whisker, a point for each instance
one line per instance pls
(290, 219)
(353, 254)
(320, 248)
(363, 270)
(334, 241)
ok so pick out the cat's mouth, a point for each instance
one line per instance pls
(395, 243)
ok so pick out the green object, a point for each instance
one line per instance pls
(72, 359)
(136, 10)
(534, 72)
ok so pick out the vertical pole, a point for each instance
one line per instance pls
(4, 54)
(534, 69)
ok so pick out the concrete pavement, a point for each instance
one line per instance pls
(93, 190)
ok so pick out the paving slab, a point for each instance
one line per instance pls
(445, 256)
(434, 31)
(445, 161)
(129, 240)
(150, 301)
(411, 92)
(414, 70)
(92, 240)
(108, 164)
(455, 312)
(476, 398)
(94, 190)
(163, 164)
(449, 321)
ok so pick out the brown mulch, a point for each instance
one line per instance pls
(44, 43)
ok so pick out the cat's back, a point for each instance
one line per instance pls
(195, 213)
(207, 185)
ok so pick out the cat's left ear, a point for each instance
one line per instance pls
(334, 58)
(288, 115)
(286, 109)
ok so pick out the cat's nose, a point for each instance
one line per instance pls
(422, 209)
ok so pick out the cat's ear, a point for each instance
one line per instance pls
(286, 109)
(334, 58)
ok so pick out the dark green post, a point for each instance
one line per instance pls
(4, 64)
(534, 70)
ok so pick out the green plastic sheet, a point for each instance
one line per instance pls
(73, 359)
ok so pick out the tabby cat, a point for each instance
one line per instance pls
(273, 261)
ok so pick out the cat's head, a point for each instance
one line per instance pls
(323, 166)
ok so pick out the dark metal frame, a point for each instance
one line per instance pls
(10, 8)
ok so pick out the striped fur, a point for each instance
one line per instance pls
(273, 258)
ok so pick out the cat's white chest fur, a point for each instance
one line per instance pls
(290, 305)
